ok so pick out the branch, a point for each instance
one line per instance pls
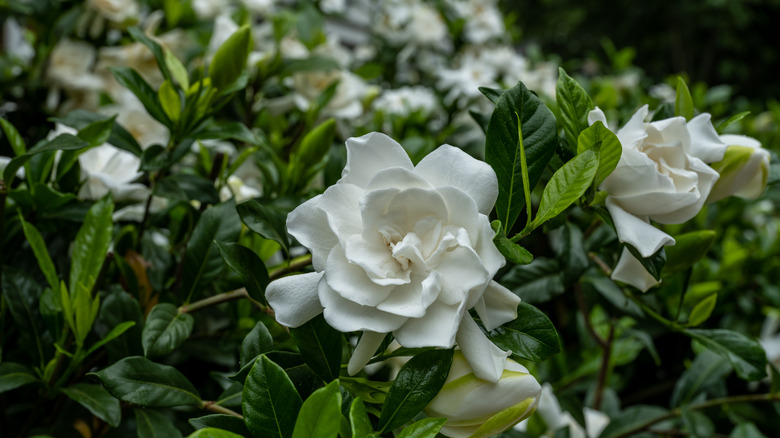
(221, 298)
(294, 266)
(214, 407)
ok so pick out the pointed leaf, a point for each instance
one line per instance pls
(91, 245)
(688, 249)
(607, 146)
(257, 342)
(530, 336)
(152, 424)
(320, 346)
(97, 400)
(134, 82)
(165, 330)
(246, 262)
(229, 423)
(707, 370)
(683, 102)
(320, 415)
(41, 253)
(493, 94)
(119, 137)
(360, 424)
(97, 132)
(14, 138)
(745, 354)
(212, 432)
(425, 428)
(14, 375)
(265, 220)
(574, 105)
(230, 59)
(110, 336)
(270, 403)
(566, 186)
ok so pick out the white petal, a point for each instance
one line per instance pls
(309, 224)
(740, 140)
(492, 259)
(705, 143)
(364, 351)
(412, 300)
(450, 166)
(637, 232)
(485, 358)
(294, 298)
(377, 261)
(369, 154)
(629, 270)
(497, 306)
(398, 178)
(633, 133)
(350, 281)
(436, 329)
(707, 177)
(597, 115)
(461, 272)
(346, 316)
(342, 203)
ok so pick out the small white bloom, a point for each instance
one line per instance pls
(406, 100)
(744, 170)
(403, 249)
(661, 176)
(70, 66)
(117, 11)
(15, 42)
(555, 418)
(236, 187)
(346, 103)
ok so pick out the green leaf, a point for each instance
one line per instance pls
(14, 375)
(320, 346)
(630, 418)
(116, 332)
(574, 105)
(312, 150)
(247, 264)
(320, 415)
(119, 137)
(775, 388)
(152, 424)
(312, 63)
(226, 131)
(14, 138)
(117, 308)
(97, 132)
(176, 68)
(599, 138)
(229, 423)
(256, 342)
(653, 264)
(270, 403)
(609, 290)
(203, 263)
(502, 152)
(512, 251)
(91, 245)
(536, 282)
(133, 81)
(696, 423)
(213, 432)
(566, 186)
(702, 310)
(265, 220)
(493, 94)
(688, 249)
(360, 424)
(425, 428)
(745, 354)
(21, 294)
(165, 330)
(97, 400)
(733, 119)
(62, 142)
(706, 371)
(568, 243)
(186, 187)
(746, 430)
(230, 59)
(140, 381)
(170, 101)
(683, 102)
(530, 336)
(41, 253)
(417, 383)
(154, 47)
(154, 158)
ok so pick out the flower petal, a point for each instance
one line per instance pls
(450, 166)
(461, 272)
(350, 281)
(630, 271)
(436, 329)
(497, 306)
(707, 179)
(485, 358)
(398, 178)
(376, 260)
(705, 143)
(347, 316)
(294, 298)
(637, 232)
(369, 154)
(633, 133)
(412, 300)
(309, 224)
(364, 351)
(595, 115)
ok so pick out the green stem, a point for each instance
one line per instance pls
(655, 315)
(221, 298)
(214, 407)
(295, 265)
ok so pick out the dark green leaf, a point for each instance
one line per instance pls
(417, 383)
(320, 415)
(195, 187)
(775, 388)
(154, 47)
(98, 132)
(537, 282)
(270, 403)
(203, 263)
(696, 423)
(14, 375)
(152, 424)
(493, 94)
(653, 264)
(119, 307)
(540, 138)
(566, 186)
(631, 419)
(140, 381)
(21, 295)
(119, 137)
(230, 59)
(91, 245)
(683, 103)
(155, 157)
(607, 146)
(688, 249)
(41, 253)
(220, 421)
(706, 370)
(568, 243)
(745, 354)
(133, 81)
(574, 105)
(313, 63)
(97, 400)
(247, 264)
(320, 346)
(165, 330)
(530, 336)
(115, 332)
(62, 142)
(227, 131)
(425, 428)
(212, 432)
(257, 342)
(14, 139)
(265, 220)
(746, 430)
(609, 290)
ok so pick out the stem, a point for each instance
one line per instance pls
(3, 195)
(655, 315)
(604, 370)
(293, 266)
(214, 407)
(601, 263)
(586, 314)
(703, 405)
(221, 298)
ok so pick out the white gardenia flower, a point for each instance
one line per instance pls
(744, 170)
(70, 66)
(556, 418)
(406, 100)
(117, 11)
(476, 408)
(404, 250)
(770, 339)
(661, 176)
(346, 102)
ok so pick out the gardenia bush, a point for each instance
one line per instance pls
(346, 219)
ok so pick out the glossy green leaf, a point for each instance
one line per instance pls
(21, 294)
(247, 264)
(142, 382)
(228, 423)
(186, 187)
(91, 245)
(134, 82)
(315, 144)
(165, 330)
(493, 94)
(230, 59)
(568, 243)
(745, 354)
(270, 403)
(702, 310)
(360, 424)
(574, 104)
(688, 249)
(226, 131)
(213, 432)
(511, 250)
(733, 119)
(530, 336)
(14, 138)
(115, 332)
(539, 138)
(117, 308)
(320, 415)
(97, 400)
(417, 383)
(97, 132)
(566, 186)
(599, 138)
(321, 346)
(14, 375)
(62, 142)
(536, 282)
(153, 424)
(41, 253)
(170, 101)
(425, 428)
(154, 47)
(707, 370)
(265, 220)
(203, 262)
(119, 136)
(630, 419)
(614, 294)
(256, 342)
(683, 102)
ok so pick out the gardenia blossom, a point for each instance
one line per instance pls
(555, 418)
(661, 176)
(744, 171)
(407, 100)
(402, 249)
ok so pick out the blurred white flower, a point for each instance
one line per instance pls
(770, 339)
(483, 20)
(347, 101)
(406, 100)
(236, 187)
(744, 170)
(70, 66)
(117, 11)
(555, 418)
(412, 22)
(333, 6)
(15, 42)
(259, 7)
(462, 84)
(208, 9)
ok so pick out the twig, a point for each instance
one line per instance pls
(296, 265)
(606, 356)
(214, 407)
(222, 298)
(601, 263)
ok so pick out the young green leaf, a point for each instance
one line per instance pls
(574, 104)
(165, 330)
(688, 249)
(320, 415)
(115, 332)
(228, 423)
(530, 336)
(14, 138)
(745, 354)
(270, 402)
(142, 382)
(425, 428)
(733, 119)
(154, 47)
(360, 424)
(230, 59)
(170, 101)
(256, 342)
(683, 102)
(153, 424)
(213, 432)
(320, 345)
(176, 68)
(97, 400)
(134, 82)
(41, 253)
(91, 245)
(566, 186)
(702, 310)
(14, 375)
(502, 152)
(417, 383)
(607, 146)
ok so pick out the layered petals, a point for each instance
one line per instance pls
(295, 299)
